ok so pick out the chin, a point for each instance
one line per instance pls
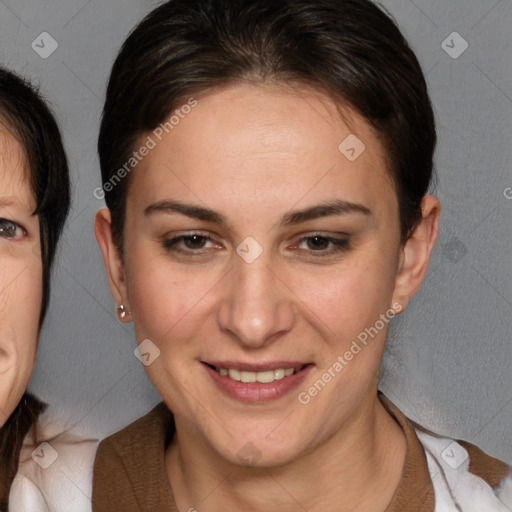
(257, 452)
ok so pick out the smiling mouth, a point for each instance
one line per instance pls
(263, 377)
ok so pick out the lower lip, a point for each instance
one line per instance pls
(257, 392)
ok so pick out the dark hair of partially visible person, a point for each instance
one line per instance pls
(27, 117)
(12, 436)
(25, 114)
(350, 49)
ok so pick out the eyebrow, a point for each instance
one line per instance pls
(6, 201)
(327, 209)
(18, 206)
(194, 212)
(330, 208)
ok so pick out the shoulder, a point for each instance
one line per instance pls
(147, 432)
(56, 473)
(464, 473)
(129, 469)
(26, 495)
(137, 442)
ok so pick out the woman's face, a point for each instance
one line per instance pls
(20, 275)
(262, 238)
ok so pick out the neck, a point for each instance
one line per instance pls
(359, 467)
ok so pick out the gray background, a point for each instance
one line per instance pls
(449, 363)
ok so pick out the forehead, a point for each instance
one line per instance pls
(263, 140)
(14, 172)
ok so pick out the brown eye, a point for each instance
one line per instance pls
(320, 245)
(190, 244)
(194, 241)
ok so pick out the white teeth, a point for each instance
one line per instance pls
(279, 374)
(263, 377)
(248, 376)
(234, 374)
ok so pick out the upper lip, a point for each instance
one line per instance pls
(255, 367)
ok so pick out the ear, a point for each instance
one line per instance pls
(416, 251)
(112, 261)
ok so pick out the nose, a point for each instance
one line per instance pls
(257, 306)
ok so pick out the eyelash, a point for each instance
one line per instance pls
(338, 244)
(5, 223)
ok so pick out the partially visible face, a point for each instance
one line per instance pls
(254, 247)
(20, 275)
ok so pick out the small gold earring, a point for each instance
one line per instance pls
(121, 312)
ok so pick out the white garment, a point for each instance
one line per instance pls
(66, 485)
(456, 489)
(56, 475)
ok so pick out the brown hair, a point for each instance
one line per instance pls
(350, 49)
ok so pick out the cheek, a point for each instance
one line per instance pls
(20, 307)
(20, 295)
(162, 297)
(342, 302)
